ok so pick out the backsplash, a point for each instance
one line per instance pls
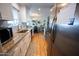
(5, 23)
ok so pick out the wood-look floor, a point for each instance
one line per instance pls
(39, 46)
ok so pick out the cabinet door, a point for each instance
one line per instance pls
(22, 47)
(25, 44)
(17, 51)
(6, 12)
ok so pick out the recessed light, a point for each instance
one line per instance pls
(35, 14)
(39, 9)
(51, 9)
(63, 4)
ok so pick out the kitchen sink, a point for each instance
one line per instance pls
(22, 31)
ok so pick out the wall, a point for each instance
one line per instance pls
(66, 13)
(5, 9)
(23, 13)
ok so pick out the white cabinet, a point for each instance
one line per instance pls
(21, 48)
(17, 51)
(5, 10)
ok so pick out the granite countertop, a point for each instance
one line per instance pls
(16, 39)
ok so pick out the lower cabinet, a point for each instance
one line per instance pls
(17, 51)
(25, 44)
(21, 48)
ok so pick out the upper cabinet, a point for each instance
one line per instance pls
(5, 10)
(9, 11)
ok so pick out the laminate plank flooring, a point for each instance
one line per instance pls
(41, 46)
(38, 46)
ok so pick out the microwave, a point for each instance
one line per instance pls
(5, 35)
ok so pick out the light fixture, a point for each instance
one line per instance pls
(35, 14)
(51, 9)
(39, 9)
(63, 4)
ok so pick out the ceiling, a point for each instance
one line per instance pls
(39, 5)
(33, 9)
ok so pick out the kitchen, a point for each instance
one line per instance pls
(39, 29)
(17, 28)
